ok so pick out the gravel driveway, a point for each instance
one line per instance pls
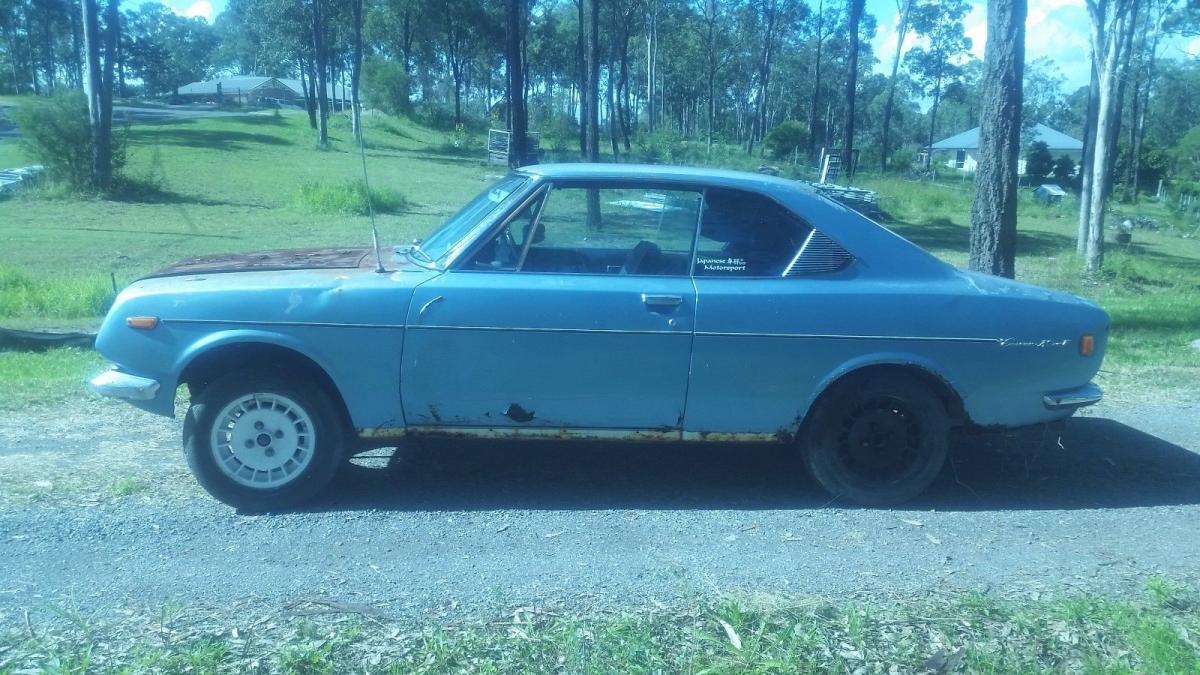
(100, 510)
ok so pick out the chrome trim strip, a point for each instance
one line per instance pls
(820, 336)
(310, 324)
(555, 330)
(809, 336)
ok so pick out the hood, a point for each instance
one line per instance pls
(291, 259)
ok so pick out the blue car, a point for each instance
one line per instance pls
(606, 302)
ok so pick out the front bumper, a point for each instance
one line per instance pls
(1073, 398)
(116, 384)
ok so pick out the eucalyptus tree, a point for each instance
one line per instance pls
(903, 10)
(994, 210)
(937, 64)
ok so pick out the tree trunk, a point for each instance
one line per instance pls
(651, 63)
(1107, 36)
(937, 97)
(816, 91)
(994, 211)
(101, 173)
(322, 68)
(856, 10)
(307, 87)
(356, 70)
(1085, 161)
(592, 94)
(581, 62)
(518, 119)
(903, 6)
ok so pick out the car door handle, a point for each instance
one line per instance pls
(662, 301)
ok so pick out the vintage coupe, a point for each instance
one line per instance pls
(612, 302)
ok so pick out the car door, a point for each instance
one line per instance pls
(576, 312)
(756, 356)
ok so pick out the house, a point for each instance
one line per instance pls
(961, 150)
(256, 90)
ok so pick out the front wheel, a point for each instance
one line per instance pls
(263, 441)
(878, 441)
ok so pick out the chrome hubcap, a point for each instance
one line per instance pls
(263, 440)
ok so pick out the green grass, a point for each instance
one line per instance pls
(256, 181)
(44, 377)
(763, 634)
(347, 198)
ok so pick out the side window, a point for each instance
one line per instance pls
(599, 230)
(746, 235)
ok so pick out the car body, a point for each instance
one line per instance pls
(619, 302)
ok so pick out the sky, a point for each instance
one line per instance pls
(1056, 29)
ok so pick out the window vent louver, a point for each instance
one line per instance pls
(818, 255)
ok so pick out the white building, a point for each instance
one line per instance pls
(961, 150)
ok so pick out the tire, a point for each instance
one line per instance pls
(263, 441)
(877, 441)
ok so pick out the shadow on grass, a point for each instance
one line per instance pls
(943, 234)
(174, 132)
(137, 191)
(1101, 464)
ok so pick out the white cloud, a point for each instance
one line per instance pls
(1054, 29)
(202, 9)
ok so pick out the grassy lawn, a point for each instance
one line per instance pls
(1149, 633)
(256, 181)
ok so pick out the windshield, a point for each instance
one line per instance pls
(453, 230)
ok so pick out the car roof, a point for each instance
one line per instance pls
(746, 180)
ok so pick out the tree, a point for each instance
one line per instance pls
(356, 68)
(904, 7)
(936, 66)
(98, 85)
(994, 211)
(1038, 161)
(518, 119)
(786, 140)
(1109, 21)
(856, 11)
(321, 66)
(1064, 166)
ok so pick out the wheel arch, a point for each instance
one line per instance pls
(909, 366)
(210, 361)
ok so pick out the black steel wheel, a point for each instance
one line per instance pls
(877, 441)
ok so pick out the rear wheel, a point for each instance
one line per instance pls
(878, 441)
(263, 441)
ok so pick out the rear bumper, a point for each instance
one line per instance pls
(1071, 399)
(116, 384)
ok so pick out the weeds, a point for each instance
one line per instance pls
(347, 198)
(62, 297)
(975, 632)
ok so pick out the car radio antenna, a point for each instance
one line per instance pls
(362, 152)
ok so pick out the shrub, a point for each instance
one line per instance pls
(787, 139)
(386, 86)
(347, 198)
(1064, 166)
(902, 159)
(55, 132)
(1038, 162)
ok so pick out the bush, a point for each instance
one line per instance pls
(1064, 166)
(902, 159)
(1038, 162)
(348, 198)
(56, 133)
(386, 86)
(787, 139)
(664, 145)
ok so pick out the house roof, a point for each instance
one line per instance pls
(969, 140)
(246, 84)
